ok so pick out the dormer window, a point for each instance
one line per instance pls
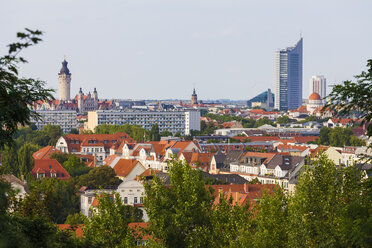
(40, 175)
(53, 175)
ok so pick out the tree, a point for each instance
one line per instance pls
(103, 176)
(76, 219)
(53, 132)
(75, 167)
(108, 227)
(74, 131)
(25, 159)
(9, 160)
(339, 137)
(178, 213)
(166, 133)
(272, 220)
(154, 133)
(349, 97)
(16, 93)
(263, 121)
(354, 98)
(51, 198)
(283, 119)
(324, 135)
(329, 207)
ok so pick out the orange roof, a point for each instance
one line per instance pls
(110, 159)
(266, 155)
(240, 193)
(283, 148)
(105, 140)
(302, 109)
(48, 166)
(44, 153)
(304, 139)
(149, 172)
(78, 229)
(124, 166)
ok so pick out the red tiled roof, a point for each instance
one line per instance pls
(46, 166)
(283, 148)
(124, 166)
(44, 153)
(105, 140)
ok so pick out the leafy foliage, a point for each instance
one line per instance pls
(108, 227)
(16, 93)
(339, 137)
(349, 97)
(263, 121)
(329, 207)
(51, 198)
(138, 133)
(283, 119)
(103, 176)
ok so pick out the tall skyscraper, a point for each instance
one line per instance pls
(288, 77)
(318, 84)
(64, 78)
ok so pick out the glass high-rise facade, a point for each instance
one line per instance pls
(288, 77)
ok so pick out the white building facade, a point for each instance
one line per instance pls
(318, 84)
(173, 121)
(66, 119)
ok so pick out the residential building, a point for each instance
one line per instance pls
(318, 84)
(49, 168)
(45, 152)
(20, 187)
(288, 77)
(97, 145)
(131, 193)
(173, 121)
(66, 119)
(128, 169)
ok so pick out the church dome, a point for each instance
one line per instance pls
(314, 96)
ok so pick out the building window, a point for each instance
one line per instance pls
(125, 200)
(135, 200)
(141, 199)
(89, 200)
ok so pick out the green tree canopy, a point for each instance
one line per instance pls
(263, 121)
(102, 176)
(108, 227)
(17, 93)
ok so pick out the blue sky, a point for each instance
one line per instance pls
(149, 49)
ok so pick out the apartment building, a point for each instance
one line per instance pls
(66, 119)
(173, 121)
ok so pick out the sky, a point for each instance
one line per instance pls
(160, 49)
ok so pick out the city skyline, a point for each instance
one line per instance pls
(160, 49)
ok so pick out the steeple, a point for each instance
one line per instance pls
(64, 69)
